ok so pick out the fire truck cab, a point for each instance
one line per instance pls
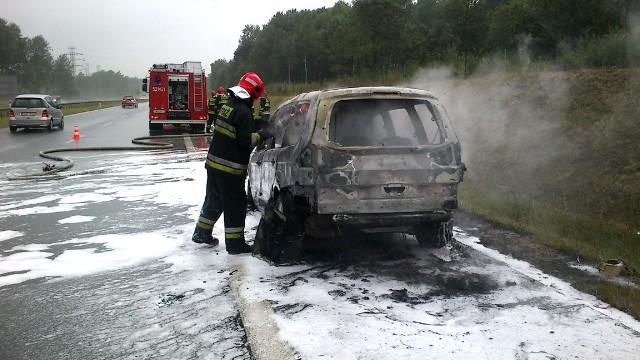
(177, 95)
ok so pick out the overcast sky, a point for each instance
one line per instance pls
(129, 36)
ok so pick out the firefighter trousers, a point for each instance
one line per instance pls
(210, 119)
(226, 195)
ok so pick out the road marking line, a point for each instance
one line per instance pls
(188, 143)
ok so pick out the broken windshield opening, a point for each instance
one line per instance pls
(389, 122)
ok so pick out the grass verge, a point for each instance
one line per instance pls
(588, 238)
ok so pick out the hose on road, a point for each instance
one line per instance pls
(52, 172)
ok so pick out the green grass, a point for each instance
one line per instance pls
(588, 238)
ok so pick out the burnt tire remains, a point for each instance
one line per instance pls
(279, 236)
(435, 235)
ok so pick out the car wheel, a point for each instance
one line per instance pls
(279, 235)
(435, 235)
(61, 126)
(50, 126)
(13, 128)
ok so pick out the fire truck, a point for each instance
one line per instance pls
(177, 95)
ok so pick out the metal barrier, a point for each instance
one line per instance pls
(4, 112)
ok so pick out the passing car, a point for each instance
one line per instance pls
(355, 160)
(35, 111)
(129, 101)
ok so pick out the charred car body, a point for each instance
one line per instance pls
(367, 160)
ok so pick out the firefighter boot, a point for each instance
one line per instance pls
(238, 246)
(202, 236)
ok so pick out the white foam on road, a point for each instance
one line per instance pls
(530, 315)
(76, 219)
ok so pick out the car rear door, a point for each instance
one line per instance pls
(387, 155)
(56, 114)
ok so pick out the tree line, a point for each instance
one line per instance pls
(377, 40)
(364, 41)
(38, 72)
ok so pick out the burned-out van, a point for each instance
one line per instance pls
(365, 160)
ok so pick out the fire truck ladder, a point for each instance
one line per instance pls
(198, 101)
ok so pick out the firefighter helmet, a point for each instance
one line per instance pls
(253, 84)
(220, 90)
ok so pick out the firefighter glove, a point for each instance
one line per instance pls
(265, 134)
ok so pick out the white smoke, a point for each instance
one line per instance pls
(515, 113)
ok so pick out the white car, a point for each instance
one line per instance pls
(35, 111)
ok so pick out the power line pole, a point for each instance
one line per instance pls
(74, 59)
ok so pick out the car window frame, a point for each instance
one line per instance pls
(49, 101)
(413, 116)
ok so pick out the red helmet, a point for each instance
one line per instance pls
(253, 84)
(220, 90)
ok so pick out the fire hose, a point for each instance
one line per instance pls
(52, 171)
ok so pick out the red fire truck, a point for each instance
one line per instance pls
(177, 95)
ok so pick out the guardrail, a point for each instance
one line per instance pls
(4, 112)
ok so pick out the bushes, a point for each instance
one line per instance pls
(616, 50)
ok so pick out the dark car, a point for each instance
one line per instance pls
(356, 160)
(35, 111)
(129, 101)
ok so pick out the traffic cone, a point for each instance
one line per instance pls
(76, 133)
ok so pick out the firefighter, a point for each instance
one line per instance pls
(264, 111)
(233, 140)
(216, 101)
(211, 111)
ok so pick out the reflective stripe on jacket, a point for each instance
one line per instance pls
(211, 105)
(233, 139)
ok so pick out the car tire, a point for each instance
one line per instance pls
(50, 126)
(61, 126)
(435, 235)
(13, 128)
(279, 235)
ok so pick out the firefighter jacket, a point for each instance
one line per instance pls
(233, 139)
(216, 102)
(211, 106)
